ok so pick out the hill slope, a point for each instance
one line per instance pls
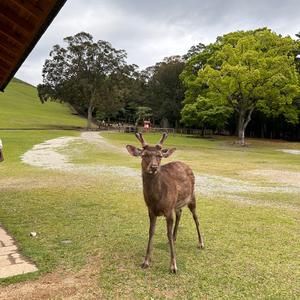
(20, 108)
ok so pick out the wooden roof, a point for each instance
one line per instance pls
(22, 23)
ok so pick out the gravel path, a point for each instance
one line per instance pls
(290, 151)
(47, 155)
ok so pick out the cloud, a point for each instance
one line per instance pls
(152, 30)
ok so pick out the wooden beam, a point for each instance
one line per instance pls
(33, 10)
(12, 16)
(9, 32)
(15, 37)
(2, 73)
(6, 55)
(4, 64)
(8, 44)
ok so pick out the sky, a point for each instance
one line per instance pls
(150, 30)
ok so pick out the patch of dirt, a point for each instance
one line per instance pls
(47, 155)
(29, 183)
(281, 176)
(219, 185)
(58, 285)
(290, 151)
(263, 203)
(20, 183)
(97, 139)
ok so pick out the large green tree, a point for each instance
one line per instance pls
(86, 74)
(194, 50)
(165, 90)
(241, 72)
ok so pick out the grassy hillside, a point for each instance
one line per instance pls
(21, 108)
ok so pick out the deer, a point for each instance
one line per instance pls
(167, 189)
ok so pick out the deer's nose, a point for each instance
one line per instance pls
(154, 167)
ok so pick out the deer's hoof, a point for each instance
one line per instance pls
(173, 267)
(145, 265)
(201, 246)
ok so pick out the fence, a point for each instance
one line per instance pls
(181, 131)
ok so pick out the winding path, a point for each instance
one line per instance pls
(49, 155)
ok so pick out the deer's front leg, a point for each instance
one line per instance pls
(170, 221)
(147, 259)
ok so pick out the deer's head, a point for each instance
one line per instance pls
(151, 155)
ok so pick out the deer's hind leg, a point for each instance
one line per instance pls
(192, 207)
(178, 216)
(170, 221)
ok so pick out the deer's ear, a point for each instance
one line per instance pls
(168, 152)
(133, 150)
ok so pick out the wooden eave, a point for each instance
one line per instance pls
(22, 23)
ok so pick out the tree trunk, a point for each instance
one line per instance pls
(242, 125)
(136, 124)
(262, 131)
(90, 117)
(242, 136)
(241, 128)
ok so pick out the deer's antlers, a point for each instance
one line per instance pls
(162, 140)
(144, 144)
(141, 139)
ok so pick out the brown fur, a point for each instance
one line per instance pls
(174, 182)
(166, 189)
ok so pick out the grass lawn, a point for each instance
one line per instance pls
(20, 108)
(252, 239)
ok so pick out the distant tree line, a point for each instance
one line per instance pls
(246, 83)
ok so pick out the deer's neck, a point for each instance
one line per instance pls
(152, 189)
(150, 180)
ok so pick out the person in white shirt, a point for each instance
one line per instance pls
(1, 153)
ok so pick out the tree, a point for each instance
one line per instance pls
(121, 88)
(136, 87)
(246, 70)
(205, 113)
(142, 113)
(297, 52)
(165, 91)
(195, 49)
(85, 74)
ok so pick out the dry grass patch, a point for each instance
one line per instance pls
(61, 284)
(271, 175)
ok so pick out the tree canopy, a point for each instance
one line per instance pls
(242, 71)
(244, 75)
(86, 74)
(165, 91)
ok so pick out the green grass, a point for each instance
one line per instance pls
(252, 251)
(20, 108)
(220, 155)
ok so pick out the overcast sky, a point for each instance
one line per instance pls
(150, 30)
